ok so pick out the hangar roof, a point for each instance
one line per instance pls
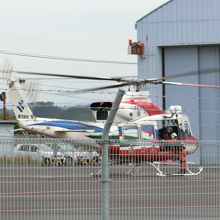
(153, 11)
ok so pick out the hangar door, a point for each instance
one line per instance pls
(202, 105)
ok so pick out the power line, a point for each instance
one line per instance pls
(63, 58)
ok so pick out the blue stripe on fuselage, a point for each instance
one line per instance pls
(71, 125)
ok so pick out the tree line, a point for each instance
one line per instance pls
(49, 110)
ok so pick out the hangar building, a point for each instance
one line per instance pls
(183, 36)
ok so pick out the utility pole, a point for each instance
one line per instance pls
(105, 169)
(3, 99)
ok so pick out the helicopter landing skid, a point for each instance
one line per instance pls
(156, 165)
(97, 174)
(133, 170)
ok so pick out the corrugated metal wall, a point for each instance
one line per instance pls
(201, 104)
(175, 25)
(182, 22)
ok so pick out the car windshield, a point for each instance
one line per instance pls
(56, 147)
(44, 147)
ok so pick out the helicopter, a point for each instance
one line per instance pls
(137, 119)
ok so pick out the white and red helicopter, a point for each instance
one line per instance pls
(137, 119)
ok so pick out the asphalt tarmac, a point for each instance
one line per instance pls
(38, 193)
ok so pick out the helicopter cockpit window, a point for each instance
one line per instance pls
(167, 127)
(130, 132)
(187, 128)
(147, 132)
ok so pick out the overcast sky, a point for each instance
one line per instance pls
(95, 29)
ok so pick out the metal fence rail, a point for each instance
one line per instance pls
(40, 183)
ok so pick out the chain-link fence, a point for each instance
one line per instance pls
(61, 179)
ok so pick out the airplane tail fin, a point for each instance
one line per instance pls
(20, 107)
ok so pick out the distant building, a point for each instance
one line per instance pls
(183, 36)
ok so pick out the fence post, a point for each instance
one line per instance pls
(105, 170)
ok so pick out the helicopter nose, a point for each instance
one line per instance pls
(191, 147)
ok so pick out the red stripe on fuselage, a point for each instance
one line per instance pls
(148, 106)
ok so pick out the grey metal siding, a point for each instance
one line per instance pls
(183, 59)
(209, 98)
(184, 23)
(179, 22)
(201, 104)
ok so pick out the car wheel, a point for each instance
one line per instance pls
(47, 162)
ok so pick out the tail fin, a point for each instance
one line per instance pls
(20, 107)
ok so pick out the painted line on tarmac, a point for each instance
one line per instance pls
(98, 209)
(112, 189)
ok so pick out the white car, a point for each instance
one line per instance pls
(88, 158)
(69, 152)
(41, 153)
(74, 156)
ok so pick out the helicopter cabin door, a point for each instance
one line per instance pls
(133, 132)
(130, 133)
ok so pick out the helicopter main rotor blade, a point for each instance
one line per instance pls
(147, 82)
(190, 73)
(120, 79)
(188, 84)
(117, 79)
(102, 88)
(126, 82)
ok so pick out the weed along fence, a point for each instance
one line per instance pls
(62, 179)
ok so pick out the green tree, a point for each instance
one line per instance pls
(49, 110)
